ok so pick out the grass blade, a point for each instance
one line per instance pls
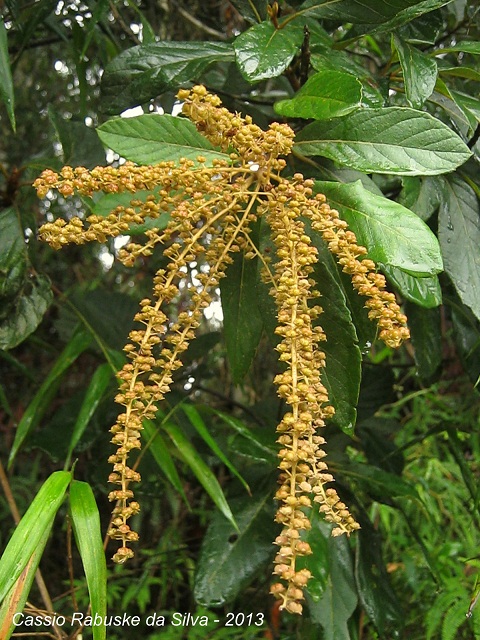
(86, 528)
(197, 421)
(37, 407)
(31, 529)
(203, 473)
(98, 384)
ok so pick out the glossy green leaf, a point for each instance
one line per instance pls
(6, 81)
(141, 73)
(372, 13)
(251, 10)
(392, 234)
(466, 46)
(459, 236)
(342, 372)
(161, 454)
(230, 559)
(95, 391)
(421, 195)
(265, 52)
(392, 140)
(426, 292)
(201, 470)
(13, 257)
(419, 72)
(41, 401)
(88, 536)
(31, 529)
(242, 316)
(426, 335)
(339, 598)
(154, 138)
(327, 94)
(374, 588)
(26, 313)
(197, 421)
(460, 72)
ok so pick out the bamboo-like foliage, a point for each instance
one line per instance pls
(211, 211)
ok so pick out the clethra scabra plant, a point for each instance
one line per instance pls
(211, 208)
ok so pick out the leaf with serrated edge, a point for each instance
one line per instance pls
(228, 559)
(154, 138)
(265, 52)
(327, 94)
(395, 140)
(141, 73)
(419, 72)
(392, 234)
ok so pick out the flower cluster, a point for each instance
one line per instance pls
(210, 210)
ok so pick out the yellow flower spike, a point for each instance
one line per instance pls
(211, 209)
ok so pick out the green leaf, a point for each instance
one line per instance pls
(96, 309)
(374, 589)
(392, 234)
(242, 317)
(372, 13)
(459, 236)
(6, 82)
(197, 421)
(393, 140)
(13, 257)
(80, 144)
(30, 530)
(141, 73)
(339, 599)
(342, 372)
(15, 600)
(230, 559)
(380, 484)
(26, 313)
(159, 450)
(466, 46)
(426, 292)
(264, 51)
(203, 473)
(38, 406)
(88, 536)
(262, 443)
(419, 72)
(154, 138)
(327, 94)
(421, 195)
(466, 333)
(426, 335)
(97, 387)
(251, 10)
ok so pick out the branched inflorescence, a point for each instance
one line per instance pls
(210, 208)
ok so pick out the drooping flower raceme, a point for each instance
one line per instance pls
(211, 208)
